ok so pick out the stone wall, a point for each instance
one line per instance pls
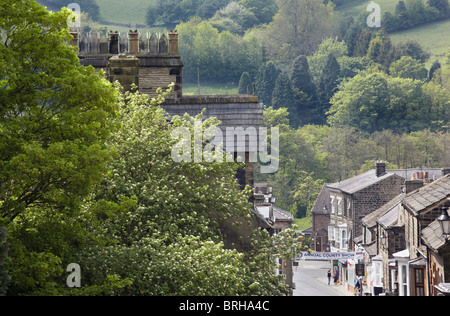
(373, 197)
(159, 61)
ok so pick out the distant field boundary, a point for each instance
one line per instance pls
(139, 26)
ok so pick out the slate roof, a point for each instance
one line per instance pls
(428, 196)
(369, 178)
(322, 200)
(233, 111)
(433, 173)
(390, 219)
(282, 215)
(359, 182)
(432, 236)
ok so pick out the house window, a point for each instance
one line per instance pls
(344, 239)
(419, 282)
(333, 207)
(331, 232)
(339, 206)
(404, 281)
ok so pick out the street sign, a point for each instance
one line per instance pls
(359, 269)
(326, 256)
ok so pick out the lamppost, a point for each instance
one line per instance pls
(444, 221)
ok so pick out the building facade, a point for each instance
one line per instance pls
(352, 199)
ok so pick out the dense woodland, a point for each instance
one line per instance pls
(86, 174)
(345, 94)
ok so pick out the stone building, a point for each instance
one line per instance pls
(320, 221)
(340, 207)
(353, 199)
(407, 252)
(425, 261)
(152, 61)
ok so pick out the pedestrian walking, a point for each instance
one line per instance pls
(329, 276)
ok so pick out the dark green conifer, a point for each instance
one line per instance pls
(265, 82)
(283, 97)
(327, 84)
(245, 84)
(305, 91)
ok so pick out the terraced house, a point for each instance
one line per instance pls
(354, 198)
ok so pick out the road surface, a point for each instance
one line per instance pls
(310, 279)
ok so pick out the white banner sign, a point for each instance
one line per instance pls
(331, 256)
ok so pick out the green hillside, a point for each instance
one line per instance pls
(124, 11)
(433, 37)
(354, 9)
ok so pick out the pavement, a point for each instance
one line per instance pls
(310, 278)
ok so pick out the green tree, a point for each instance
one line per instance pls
(55, 119)
(401, 12)
(362, 103)
(166, 222)
(414, 50)
(407, 67)
(283, 97)
(245, 84)
(435, 66)
(441, 5)
(218, 56)
(297, 29)
(416, 11)
(363, 43)
(351, 37)
(55, 114)
(381, 50)
(265, 82)
(263, 10)
(4, 247)
(318, 61)
(305, 91)
(328, 84)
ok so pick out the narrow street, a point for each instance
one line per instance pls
(310, 278)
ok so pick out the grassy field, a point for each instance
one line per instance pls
(209, 89)
(124, 11)
(354, 9)
(433, 37)
(303, 223)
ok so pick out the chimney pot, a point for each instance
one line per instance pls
(173, 43)
(134, 42)
(380, 168)
(412, 185)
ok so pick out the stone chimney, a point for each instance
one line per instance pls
(124, 69)
(113, 42)
(173, 43)
(74, 41)
(412, 185)
(380, 169)
(134, 42)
